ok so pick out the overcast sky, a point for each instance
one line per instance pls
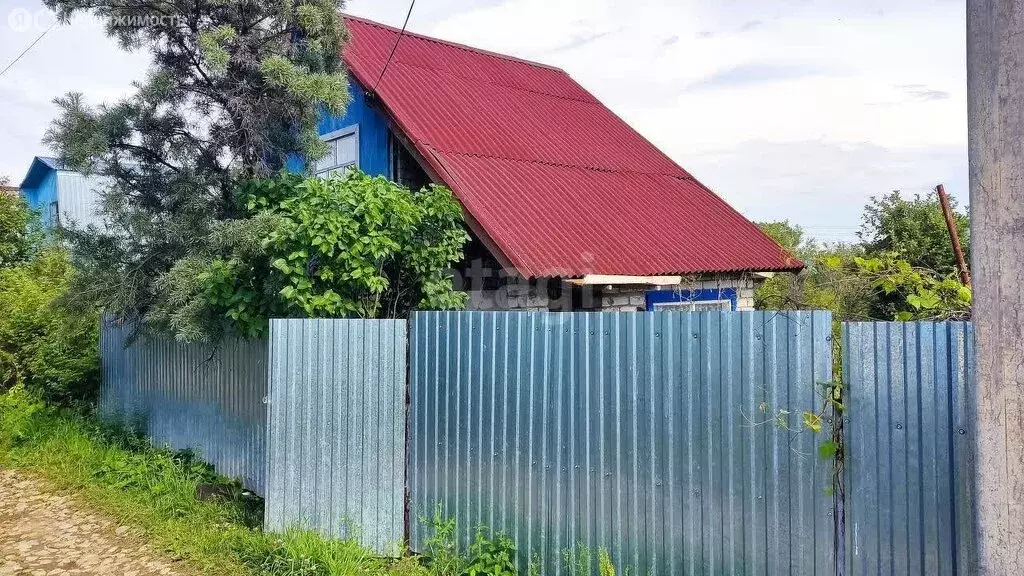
(789, 109)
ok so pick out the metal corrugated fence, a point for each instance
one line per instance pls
(651, 435)
(909, 449)
(337, 429)
(654, 435)
(192, 396)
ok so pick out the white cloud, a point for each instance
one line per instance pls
(821, 185)
(821, 102)
(873, 94)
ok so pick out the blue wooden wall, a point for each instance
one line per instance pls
(40, 189)
(374, 141)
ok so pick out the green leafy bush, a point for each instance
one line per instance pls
(20, 231)
(920, 293)
(491, 555)
(352, 246)
(440, 549)
(53, 352)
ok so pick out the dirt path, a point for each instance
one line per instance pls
(46, 534)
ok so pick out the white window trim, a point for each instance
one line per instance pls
(341, 133)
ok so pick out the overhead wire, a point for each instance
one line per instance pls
(395, 47)
(29, 47)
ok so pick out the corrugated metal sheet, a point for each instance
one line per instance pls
(76, 195)
(79, 199)
(337, 428)
(192, 396)
(649, 434)
(909, 448)
(545, 169)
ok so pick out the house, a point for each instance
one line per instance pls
(61, 196)
(9, 190)
(568, 207)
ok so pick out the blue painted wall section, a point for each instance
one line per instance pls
(655, 297)
(374, 136)
(40, 188)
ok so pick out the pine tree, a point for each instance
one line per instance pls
(235, 87)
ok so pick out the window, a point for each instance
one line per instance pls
(692, 300)
(344, 152)
(406, 170)
(54, 210)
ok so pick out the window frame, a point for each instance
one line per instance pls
(352, 130)
(53, 213)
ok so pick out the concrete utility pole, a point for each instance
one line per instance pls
(995, 104)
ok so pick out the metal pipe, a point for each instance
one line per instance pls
(954, 236)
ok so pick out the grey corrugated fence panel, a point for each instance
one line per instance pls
(337, 429)
(79, 198)
(908, 441)
(649, 434)
(192, 396)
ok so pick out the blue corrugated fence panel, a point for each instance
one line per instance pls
(908, 478)
(191, 396)
(337, 429)
(655, 436)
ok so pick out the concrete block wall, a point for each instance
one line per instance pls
(626, 299)
(514, 296)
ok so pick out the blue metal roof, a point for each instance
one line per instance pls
(38, 169)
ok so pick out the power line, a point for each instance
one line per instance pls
(29, 47)
(395, 47)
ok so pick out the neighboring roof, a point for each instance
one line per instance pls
(551, 178)
(51, 162)
(11, 190)
(38, 169)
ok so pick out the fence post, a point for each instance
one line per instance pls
(995, 94)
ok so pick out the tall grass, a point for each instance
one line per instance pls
(154, 491)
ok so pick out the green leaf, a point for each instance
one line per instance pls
(827, 450)
(832, 262)
(812, 420)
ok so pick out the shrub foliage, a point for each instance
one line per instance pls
(355, 246)
(53, 352)
(20, 231)
(235, 88)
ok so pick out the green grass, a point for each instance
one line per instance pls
(154, 491)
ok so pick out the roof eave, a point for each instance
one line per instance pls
(35, 173)
(437, 173)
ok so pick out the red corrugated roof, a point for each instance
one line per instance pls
(550, 177)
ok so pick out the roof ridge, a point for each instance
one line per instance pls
(457, 45)
(685, 177)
